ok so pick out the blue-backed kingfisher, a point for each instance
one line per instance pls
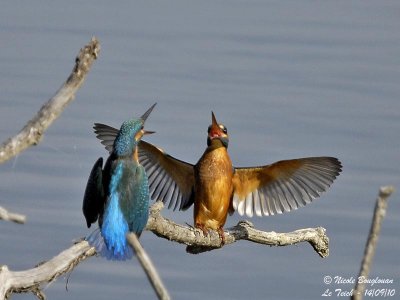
(217, 188)
(118, 195)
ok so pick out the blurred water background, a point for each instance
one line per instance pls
(288, 78)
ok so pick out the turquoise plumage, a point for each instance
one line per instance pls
(118, 195)
(216, 188)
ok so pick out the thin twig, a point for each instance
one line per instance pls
(370, 247)
(34, 129)
(148, 267)
(9, 216)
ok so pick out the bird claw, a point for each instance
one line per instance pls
(221, 234)
(205, 231)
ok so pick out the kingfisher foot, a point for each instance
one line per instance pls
(221, 234)
(202, 228)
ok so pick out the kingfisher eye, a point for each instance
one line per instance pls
(223, 128)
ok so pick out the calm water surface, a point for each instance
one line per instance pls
(288, 79)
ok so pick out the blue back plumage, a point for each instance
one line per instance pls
(115, 227)
(127, 204)
(127, 210)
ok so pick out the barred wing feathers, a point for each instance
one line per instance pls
(170, 180)
(282, 186)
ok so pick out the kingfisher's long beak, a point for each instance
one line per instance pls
(147, 113)
(214, 120)
(215, 130)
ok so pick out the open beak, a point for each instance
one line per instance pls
(215, 130)
(148, 132)
(144, 117)
(147, 113)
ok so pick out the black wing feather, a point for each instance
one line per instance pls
(93, 199)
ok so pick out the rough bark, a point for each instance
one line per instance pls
(244, 230)
(32, 132)
(370, 247)
(32, 280)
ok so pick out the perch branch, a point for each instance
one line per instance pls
(33, 130)
(9, 216)
(244, 230)
(148, 267)
(370, 247)
(32, 280)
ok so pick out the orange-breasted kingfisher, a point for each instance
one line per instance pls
(118, 195)
(217, 188)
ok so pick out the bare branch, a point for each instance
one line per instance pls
(148, 267)
(33, 130)
(9, 216)
(370, 247)
(32, 280)
(244, 230)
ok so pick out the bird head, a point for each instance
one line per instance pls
(217, 132)
(130, 133)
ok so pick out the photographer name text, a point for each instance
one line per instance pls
(375, 287)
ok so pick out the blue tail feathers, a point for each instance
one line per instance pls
(95, 239)
(127, 210)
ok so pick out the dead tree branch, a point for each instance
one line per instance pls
(9, 216)
(370, 247)
(148, 267)
(32, 280)
(244, 230)
(32, 132)
(34, 129)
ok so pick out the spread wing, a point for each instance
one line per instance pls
(283, 186)
(170, 180)
(106, 134)
(93, 200)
